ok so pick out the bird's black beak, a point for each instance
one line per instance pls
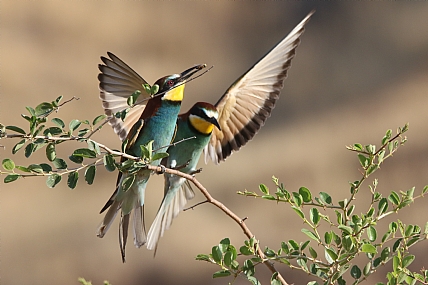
(191, 71)
(215, 123)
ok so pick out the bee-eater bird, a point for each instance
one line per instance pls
(155, 123)
(226, 127)
(218, 129)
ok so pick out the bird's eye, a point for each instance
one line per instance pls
(170, 83)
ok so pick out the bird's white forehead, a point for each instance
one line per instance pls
(211, 113)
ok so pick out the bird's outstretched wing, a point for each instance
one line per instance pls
(117, 83)
(249, 101)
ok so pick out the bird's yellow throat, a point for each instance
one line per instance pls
(175, 94)
(201, 125)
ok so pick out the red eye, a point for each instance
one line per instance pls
(170, 83)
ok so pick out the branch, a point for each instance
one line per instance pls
(226, 210)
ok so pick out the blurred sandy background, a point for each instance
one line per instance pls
(361, 69)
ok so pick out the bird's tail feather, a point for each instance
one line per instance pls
(123, 234)
(172, 204)
(108, 218)
(139, 227)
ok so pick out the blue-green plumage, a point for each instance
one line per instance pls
(193, 134)
(156, 123)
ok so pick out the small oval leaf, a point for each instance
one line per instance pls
(8, 164)
(90, 174)
(53, 180)
(72, 179)
(11, 177)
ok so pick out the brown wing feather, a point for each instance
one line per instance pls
(247, 104)
(117, 82)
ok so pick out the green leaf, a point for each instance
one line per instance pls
(22, 168)
(364, 161)
(74, 124)
(358, 147)
(133, 98)
(29, 149)
(59, 163)
(16, 129)
(127, 182)
(8, 164)
(347, 230)
(90, 174)
(83, 132)
(46, 167)
(408, 260)
(58, 122)
(314, 216)
(355, 272)
(72, 179)
(92, 145)
(294, 244)
(325, 198)
(154, 89)
(35, 168)
(371, 233)
(224, 244)
(109, 162)
(331, 254)
(298, 199)
(383, 206)
(18, 146)
(58, 99)
(328, 237)
(298, 211)
(203, 257)
(313, 252)
(395, 263)
(76, 159)
(221, 273)
(216, 254)
(52, 131)
(385, 253)
(228, 258)
(43, 109)
(53, 180)
(368, 248)
(159, 155)
(248, 268)
(11, 177)
(310, 234)
(306, 194)
(394, 198)
(85, 152)
(50, 151)
(264, 189)
(98, 119)
(367, 268)
(245, 250)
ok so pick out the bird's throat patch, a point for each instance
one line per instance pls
(175, 94)
(201, 125)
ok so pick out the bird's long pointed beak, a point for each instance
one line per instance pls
(215, 123)
(191, 71)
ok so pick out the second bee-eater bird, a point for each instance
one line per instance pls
(226, 127)
(156, 123)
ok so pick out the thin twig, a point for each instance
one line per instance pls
(227, 211)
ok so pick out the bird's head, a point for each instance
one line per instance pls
(203, 117)
(173, 85)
